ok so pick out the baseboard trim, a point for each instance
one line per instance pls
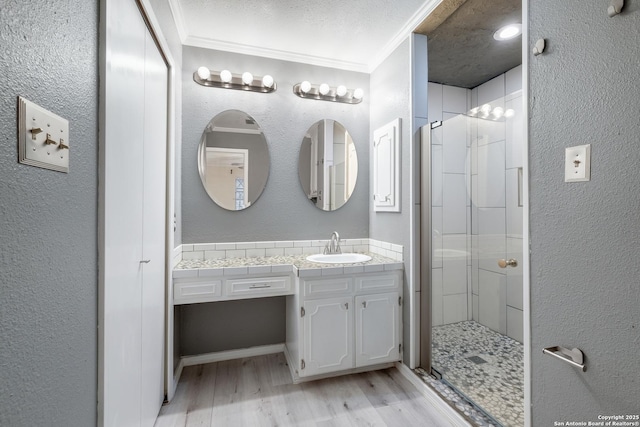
(220, 356)
(440, 405)
(176, 377)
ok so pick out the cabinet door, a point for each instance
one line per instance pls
(386, 168)
(327, 336)
(377, 328)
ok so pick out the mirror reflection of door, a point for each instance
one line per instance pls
(228, 142)
(328, 165)
(228, 169)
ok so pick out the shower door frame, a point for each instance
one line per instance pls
(425, 247)
(422, 348)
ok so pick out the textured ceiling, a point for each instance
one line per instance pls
(350, 35)
(461, 48)
(358, 34)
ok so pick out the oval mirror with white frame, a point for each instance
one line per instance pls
(233, 160)
(328, 165)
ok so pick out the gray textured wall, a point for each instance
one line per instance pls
(262, 323)
(48, 220)
(585, 237)
(390, 99)
(282, 212)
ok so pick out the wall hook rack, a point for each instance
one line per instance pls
(615, 7)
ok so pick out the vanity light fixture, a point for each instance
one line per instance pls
(486, 111)
(324, 89)
(227, 80)
(508, 32)
(267, 81)
(226, 76)
(247, 78)
(325, 92)
(305, 86)
(204, 73)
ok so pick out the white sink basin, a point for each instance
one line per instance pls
(338, 258)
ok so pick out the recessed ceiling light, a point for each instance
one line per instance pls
(508, 32)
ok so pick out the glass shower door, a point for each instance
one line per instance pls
(476, 277)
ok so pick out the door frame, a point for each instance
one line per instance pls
(245, 165)
(153, 25)
(416, 322)
(526, 258)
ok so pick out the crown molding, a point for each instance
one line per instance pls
(274, 54)
(178, 19)
(400, 36)
(404, 33)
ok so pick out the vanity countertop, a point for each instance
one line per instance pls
(296, 264)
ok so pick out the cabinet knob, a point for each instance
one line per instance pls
(145, 261)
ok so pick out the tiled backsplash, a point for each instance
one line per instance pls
(279, 248)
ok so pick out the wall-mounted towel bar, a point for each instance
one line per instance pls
(573, 357)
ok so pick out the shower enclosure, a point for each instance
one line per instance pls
(472, 326)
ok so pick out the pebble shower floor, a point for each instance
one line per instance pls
(485, 366)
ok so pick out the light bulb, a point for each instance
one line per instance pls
(247, 78)
(267, 81)
(498, 112)
(324, 89)
(341, 90)
(305, 86)
(225, 76)
(204, 73)
(509, 113)
(486, 108)
(358, 93)
(474, 111)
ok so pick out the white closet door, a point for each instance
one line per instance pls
(122, 184)
(153, 226)
(133, 184)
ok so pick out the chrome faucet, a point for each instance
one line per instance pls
(333, 246)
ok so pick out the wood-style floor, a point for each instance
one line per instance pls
(258, 391)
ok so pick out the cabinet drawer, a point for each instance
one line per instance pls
(323, 287)
(262, 286)
(385, 282)
(196, 291)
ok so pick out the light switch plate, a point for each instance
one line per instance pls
(43, 137)
(577, 163)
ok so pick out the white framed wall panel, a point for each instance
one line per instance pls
(386, 167)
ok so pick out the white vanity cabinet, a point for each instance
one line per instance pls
(327, 338)
(344, 324)
(193, 290)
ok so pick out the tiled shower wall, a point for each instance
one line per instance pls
(477, 217)
(451, 214)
